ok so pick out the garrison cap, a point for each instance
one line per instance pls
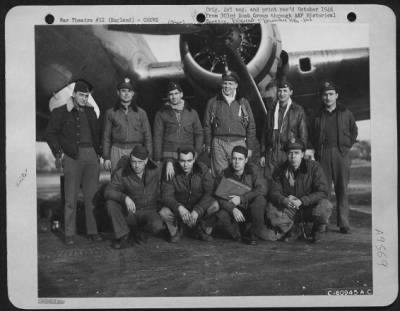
(140, 152)
(126, 83)
(284, 83)
(242, 150)
(295, 144)
(172, 85)
(230, 76)
(327, 86)
(82, 85)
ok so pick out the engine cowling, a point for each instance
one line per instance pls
(204, 54)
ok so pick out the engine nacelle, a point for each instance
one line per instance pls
(204, 55)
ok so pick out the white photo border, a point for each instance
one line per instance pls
(21, 165)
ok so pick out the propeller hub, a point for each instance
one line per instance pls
(209, 48)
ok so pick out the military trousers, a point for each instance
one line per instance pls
(221, 151)
(83, 172)
(336, 167)
(173, 222)
(254, 215)
(279, 222)
(146, 219)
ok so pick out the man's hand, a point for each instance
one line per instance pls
(287, 203)
(295, 201)
(250, 153)
(194, 216)
(234, 199)
(170, 171)
(237, 214)
(185, 215)
(107, 164)
(262, 161)
(130, 205)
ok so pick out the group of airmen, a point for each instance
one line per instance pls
(159, 185)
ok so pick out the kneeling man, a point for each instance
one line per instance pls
(247, 208)
(187, 198)
(298, 195)
(131, 198)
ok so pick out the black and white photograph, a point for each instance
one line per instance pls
(227, 155)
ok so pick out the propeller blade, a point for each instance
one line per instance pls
(247, 83)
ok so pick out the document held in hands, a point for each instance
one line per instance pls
(228, 186)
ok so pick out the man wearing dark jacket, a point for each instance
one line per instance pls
(246, 209)
(285, 120)
(125, 126)
(73, 134)
(228, 122)
(188, 197)
(131, 198)
(176, 125)
(334, 133)
(298, 194)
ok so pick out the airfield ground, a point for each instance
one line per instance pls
(218, 268)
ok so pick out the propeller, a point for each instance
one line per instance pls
(235, 62)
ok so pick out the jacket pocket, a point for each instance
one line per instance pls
(346, 138)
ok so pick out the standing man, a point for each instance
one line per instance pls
(298, 194)
(125, 126)
(131, 198)
(73, 134)
(334, 133)
(286, 120)
(228, 122)
(176, 125)
(248, 208)
(188, 197)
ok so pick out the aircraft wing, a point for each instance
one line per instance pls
(105, 54)
(349, 68)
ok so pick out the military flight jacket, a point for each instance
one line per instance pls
(121, 128)
(251, 177)
(228, 121)
(310, 184)
(144, 192)
(169, 134)
(346, 127)
(194, 192)
(62, 133)
(293, 126)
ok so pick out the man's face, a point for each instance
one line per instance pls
(81, 98)
(238, 161)
(284, 94)
(175, 96)
(186, 162)
(229, 87)
(294, 157)
(125, 95)
(138, 165)
(329, 98)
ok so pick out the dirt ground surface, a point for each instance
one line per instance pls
(218, 268)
